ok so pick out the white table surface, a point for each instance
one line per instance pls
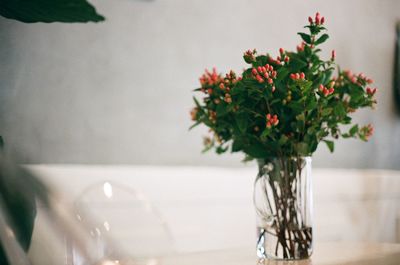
(337, 253)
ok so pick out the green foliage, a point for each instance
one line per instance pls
(283, 106)
(30, 11)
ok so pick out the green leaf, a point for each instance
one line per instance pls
(242, 121)
(221, 149)
(302, 148)
(322, 39)
(327, 76)
(340, 110)
(237, 146)
(281, 74)
(297, 64)
(353, 130)
(305, 37)
(261, 60)
(283, 139)
(257, 151)
(347, 120)
(222, 109)
(330, 144)
(326, 111)
(67, 11)
(307, 86)
(194, 125)
(197, 103)
(319, 79)
(296, 106)
(265, 133)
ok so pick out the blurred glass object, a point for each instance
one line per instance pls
(124, 228)
(125, 215)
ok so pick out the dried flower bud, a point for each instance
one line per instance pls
(193, 114)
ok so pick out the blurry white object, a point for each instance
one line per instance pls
(118, 212)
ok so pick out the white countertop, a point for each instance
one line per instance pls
(324, 254)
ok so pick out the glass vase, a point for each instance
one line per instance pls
(283, 203)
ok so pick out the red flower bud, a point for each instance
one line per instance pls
(371, 91)
(322, 20)
(259, 69)
(281, 51)
(317, 18)
(333, 55)
(270, 81)
(302, 75)
(266, 75)
(297, 76)
(254, 71)
(310, 20)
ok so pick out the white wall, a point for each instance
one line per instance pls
(120, 91)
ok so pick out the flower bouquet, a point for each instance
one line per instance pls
(277, 111)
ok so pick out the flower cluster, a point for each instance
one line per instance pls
(367, 131)
(298, 76)
(326, 91)
(250, 56)
(264, 74)
(209, 79)
(318, 19)
(272, 120)
(283, 105)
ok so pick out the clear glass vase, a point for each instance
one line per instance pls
(283, 203)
